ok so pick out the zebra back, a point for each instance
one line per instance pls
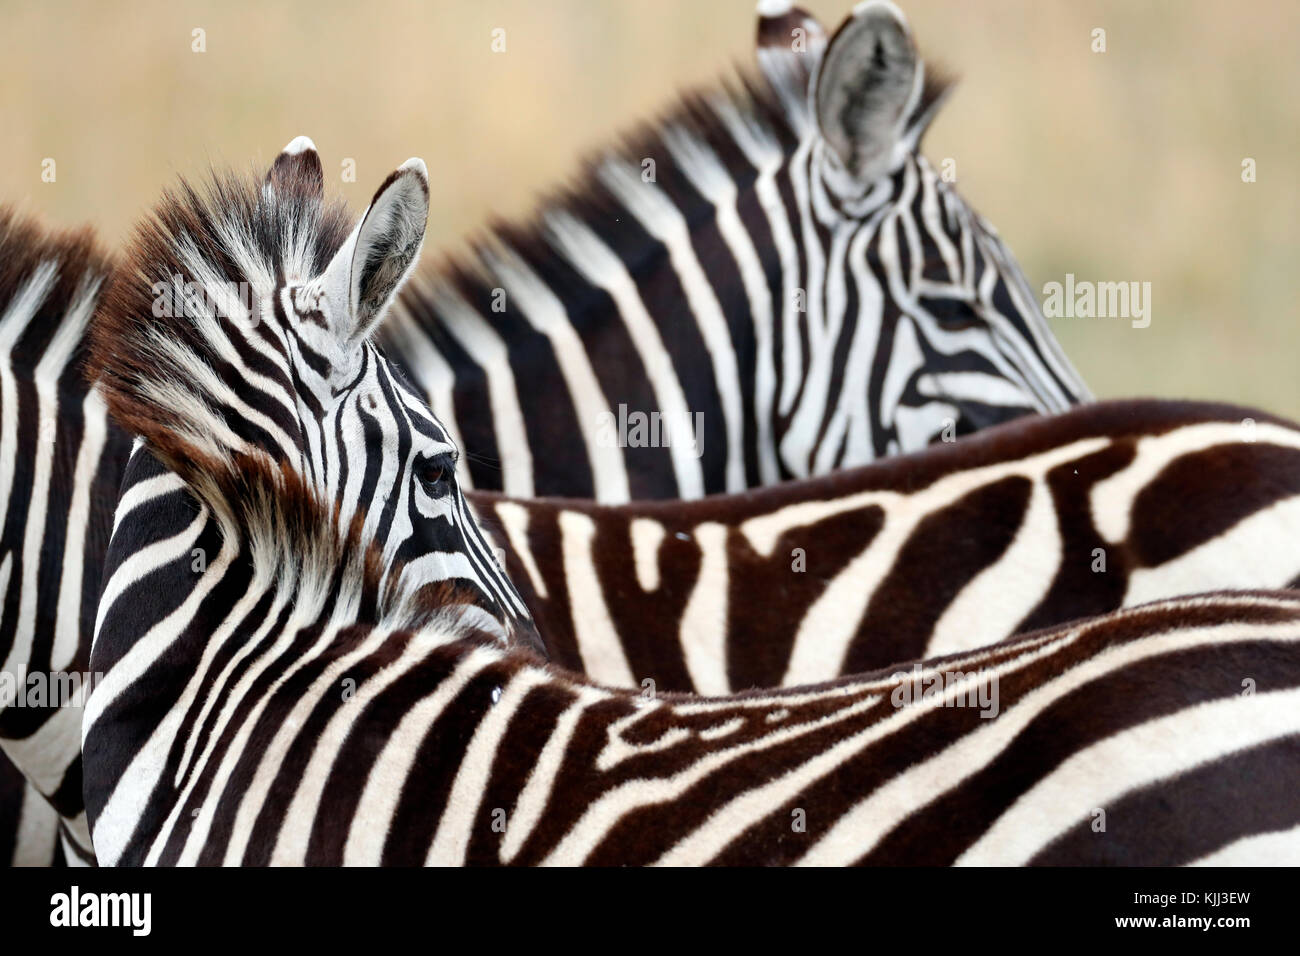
(1025, 525)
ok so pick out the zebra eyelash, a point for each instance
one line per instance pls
(951, 314)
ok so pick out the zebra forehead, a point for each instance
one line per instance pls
(391, 385)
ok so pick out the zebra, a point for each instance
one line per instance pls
(300, 699)
(584, 569)
(1026, 525)
(60, 465)
(280, 296)
(1227, 473)
(769, 283)
(290, 258)
(257, 383)
(321, 718)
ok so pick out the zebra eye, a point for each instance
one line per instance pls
(433, 472)
(952, 315)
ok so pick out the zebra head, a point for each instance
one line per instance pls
(239, 336)
(899, 267)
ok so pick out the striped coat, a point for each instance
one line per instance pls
(60, 464)
(1025, 525)
(309, 707)
(1168, 733)
(769, 282)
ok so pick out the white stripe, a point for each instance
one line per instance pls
(646, 536)
(603, 660)
(765, 155)
(704, 620)
(1281, 848)
(474, 773)
(514, 519)
(125, 804)
(1257, 552)
(487, 349)
(710, 177)
(1113, 497)
(600, 266)
(853, 398)
(1004, 593)
(1100, 775)
(973, 387)
(663, 220)
(385, 782)
(540, 306)
(535, 796)
(22, 307)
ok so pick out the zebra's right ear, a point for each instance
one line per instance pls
(297, 172)
(790, 44)
(865, 84)
(378, 256)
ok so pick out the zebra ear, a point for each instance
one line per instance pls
(790, 43)
(866, 82)
(381, 252)
(297, 171)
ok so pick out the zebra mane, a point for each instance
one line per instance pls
(700, 124)
(298, 548)
(159, 355)
(160, 367)
(48, 283)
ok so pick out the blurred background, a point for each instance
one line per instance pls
(1116, 166)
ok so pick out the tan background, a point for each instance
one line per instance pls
(1117, 166)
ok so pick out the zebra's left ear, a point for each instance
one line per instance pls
(790, 42)
(297, 171)
(376, 259)
(866, 85)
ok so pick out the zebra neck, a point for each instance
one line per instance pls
(629, 314)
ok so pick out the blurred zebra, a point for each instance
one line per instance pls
(769, 282)
(60, 465)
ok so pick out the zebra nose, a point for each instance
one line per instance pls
(523, 633)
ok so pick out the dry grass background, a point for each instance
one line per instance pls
(1116, 166)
